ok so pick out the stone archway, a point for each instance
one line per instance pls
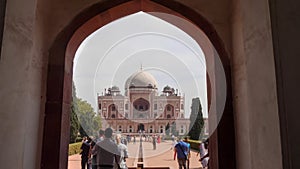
(59, 80)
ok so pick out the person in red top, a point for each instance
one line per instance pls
(158, 139)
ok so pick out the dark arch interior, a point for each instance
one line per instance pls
(141, 127)
(141, 104)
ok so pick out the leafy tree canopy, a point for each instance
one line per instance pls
(74, 122)
(89, 120)
(83, 118)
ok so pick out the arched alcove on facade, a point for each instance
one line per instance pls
(59, 80)
(141, 104)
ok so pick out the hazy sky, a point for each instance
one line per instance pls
(114, 52)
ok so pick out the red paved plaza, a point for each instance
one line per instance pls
(161, 157)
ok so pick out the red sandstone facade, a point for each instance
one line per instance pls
(142, 108)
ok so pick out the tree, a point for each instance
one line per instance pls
(196, 120)
(167, 129)
(90, 122)
(97, 123)
(83, 119)
(173, 129)
(74, 123)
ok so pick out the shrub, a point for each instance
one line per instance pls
(168, 137)
(78, 139)
(194, 144)
(74, 148)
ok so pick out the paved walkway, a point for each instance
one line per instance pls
(162, 156)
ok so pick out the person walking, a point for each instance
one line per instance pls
(189, 151)
(85, 147)
(94, 153)
(158, 139)
(204, 156)
(123, 150)
(182, 150)
(154, 140)
(107, 151)
(174, 142)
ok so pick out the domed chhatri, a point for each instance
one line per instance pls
(115, 89)
(141, 79)
(168, 89)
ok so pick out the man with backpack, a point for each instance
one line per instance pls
(182, 151)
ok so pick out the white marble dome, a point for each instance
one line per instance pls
(141, 79)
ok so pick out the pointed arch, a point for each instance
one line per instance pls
(60, 64)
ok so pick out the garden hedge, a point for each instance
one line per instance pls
(194, 144)
(74, 148)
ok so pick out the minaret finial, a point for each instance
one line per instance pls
(141, 66)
